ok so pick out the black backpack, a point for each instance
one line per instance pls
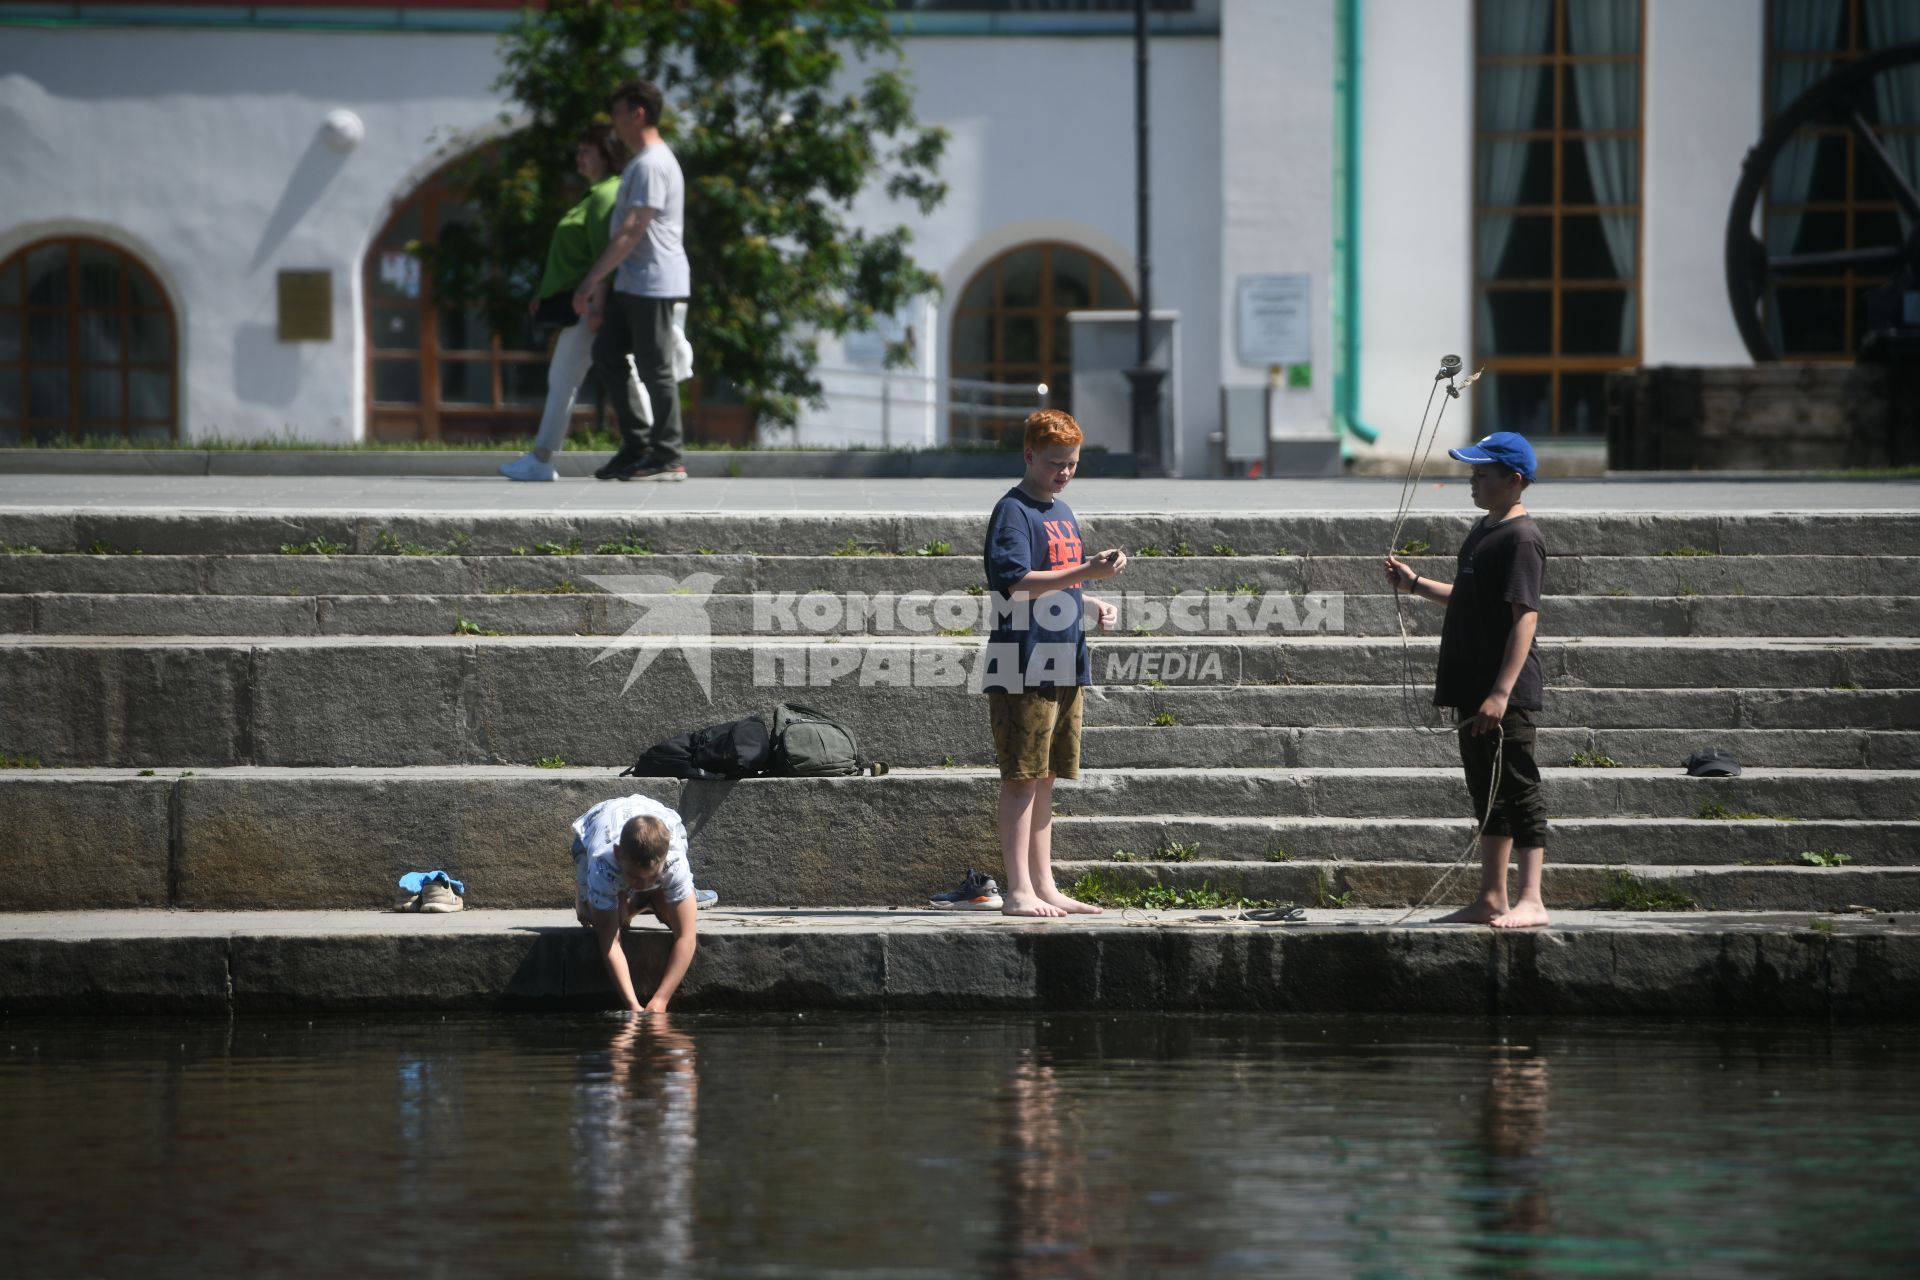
(737, 749)
(807, 744)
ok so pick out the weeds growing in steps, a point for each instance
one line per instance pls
(462, 627)
(1594, 760)
(549, 762)
(1824, 858)
(1625, 891)
(313, 547)
(1097, 888)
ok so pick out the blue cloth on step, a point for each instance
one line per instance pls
(413, 880)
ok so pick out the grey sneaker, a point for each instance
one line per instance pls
(976, 893)
(704, 898)
(438, 896)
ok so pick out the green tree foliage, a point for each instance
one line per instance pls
(781, 112)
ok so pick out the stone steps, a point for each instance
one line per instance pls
(1401, 884)
(313, 730)
(187, 701)
(174, 532)
(1615, 577)
(241, 839)
(1608, 840)
(1338, 961)
(613, 612)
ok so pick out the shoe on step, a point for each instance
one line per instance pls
(976, 893)
(438, 896)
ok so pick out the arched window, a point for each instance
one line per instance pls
(438, 371)
(87, 345)
(1011, 324)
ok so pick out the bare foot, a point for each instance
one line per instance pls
(1528, 915)
(1482, 912)
(1072, 906)
(1021, 905)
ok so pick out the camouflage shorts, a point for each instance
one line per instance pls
(1036, 734)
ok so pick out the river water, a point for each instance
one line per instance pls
(1057, 1146)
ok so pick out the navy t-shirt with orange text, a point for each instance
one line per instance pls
(1037, 642)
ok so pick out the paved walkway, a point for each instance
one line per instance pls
(473, 495)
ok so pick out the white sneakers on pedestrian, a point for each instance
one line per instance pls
(528, 467)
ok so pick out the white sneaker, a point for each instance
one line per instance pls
(438, 896)
(528, 467)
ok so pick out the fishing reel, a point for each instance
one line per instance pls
(1450, 369)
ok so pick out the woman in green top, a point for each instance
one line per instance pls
(576, 243)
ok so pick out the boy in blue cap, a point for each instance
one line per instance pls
(1489, 673)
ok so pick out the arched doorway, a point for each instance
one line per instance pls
(88, 345)
(1011, 322)
(433, 371)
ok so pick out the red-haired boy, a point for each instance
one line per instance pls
(1036, 659)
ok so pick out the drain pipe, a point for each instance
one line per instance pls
(1346, 235)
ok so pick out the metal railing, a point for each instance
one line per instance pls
(967, 399)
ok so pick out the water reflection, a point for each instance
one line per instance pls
(1041, 1178)
(634, 1125)
(1511, 1208)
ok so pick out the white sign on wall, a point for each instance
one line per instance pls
(1276, 315)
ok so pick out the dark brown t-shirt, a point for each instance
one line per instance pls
(1500, 565)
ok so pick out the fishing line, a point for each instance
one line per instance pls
(1423, 442)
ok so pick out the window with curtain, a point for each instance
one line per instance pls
(1556, 209)
(1011, 325)
(88, 346)
(1822, 194)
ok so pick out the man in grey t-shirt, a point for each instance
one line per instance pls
(647, 264)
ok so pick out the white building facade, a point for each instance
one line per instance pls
(173, 179)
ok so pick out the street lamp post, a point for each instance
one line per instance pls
(1144, 378)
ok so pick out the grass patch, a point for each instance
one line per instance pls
(1183, 549)
(146, 773)
(852, 548)
(1175, 851)
(389, 544)
(571, 547)
(1594, 760)
(313, 547)
(705, 551)
(1820, 926)
(948, 762)
(462, 627)
(19, 761)
(1413, 547)
(549, 762)
(954, 631)
(1164, 720)
(626, 546)
(1847, 686)
(1224, 549)
(1278, 854)
(8, 549)
(1121, 855)
(935, 548)
(1686, 551)
(1096, 888)
(976, 590)
(1824, 858)
(101, 547)
(1625, 891)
